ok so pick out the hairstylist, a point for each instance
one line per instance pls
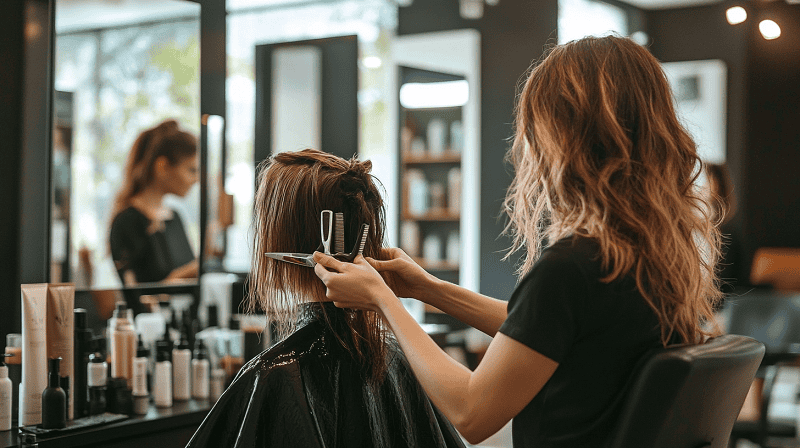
(147, 239)
(605, 179)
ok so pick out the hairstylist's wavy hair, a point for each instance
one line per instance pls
(166, 140)
(293, 189)
(599, 152)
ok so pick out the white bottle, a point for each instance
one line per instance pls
(140, 396)
(5, 396)
(200, 372)
(453, 247)
(181, 370)
(162, 389)
(432, 249)
(418, 200)
(436, 136)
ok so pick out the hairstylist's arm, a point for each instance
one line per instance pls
(407, 279)
(478, 403)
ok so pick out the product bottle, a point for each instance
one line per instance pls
(162, 389)
(200, 371)
(217, 383)
(123, 345)
(233, 359)
(97, 373)
(14, 364)
(141, 399)
(5, 395)
(181, 369)
(54, 400)
(82, 350)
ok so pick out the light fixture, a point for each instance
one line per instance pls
(769, 29)
(425, 95)
(736, 15)
(371, 62)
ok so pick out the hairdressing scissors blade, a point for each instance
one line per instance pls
(294, 258)
(326, 231)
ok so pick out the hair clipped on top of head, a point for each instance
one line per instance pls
(293, 189)
(599, 152)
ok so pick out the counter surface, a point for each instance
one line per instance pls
(160, 426)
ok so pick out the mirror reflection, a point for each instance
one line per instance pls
(125, 152)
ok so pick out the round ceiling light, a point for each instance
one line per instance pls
(736, 15)
(769, 29)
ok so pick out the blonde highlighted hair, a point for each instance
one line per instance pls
(599, 152)
(293, 189)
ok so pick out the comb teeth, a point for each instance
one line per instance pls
(338, 238)
(363, 238)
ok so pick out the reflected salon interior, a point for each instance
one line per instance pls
(151, 153)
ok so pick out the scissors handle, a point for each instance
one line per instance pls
(326, 231)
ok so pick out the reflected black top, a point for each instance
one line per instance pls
(596, 331)
(307, 391)
(150, 251)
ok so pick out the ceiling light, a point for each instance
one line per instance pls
(769, 29)
(434, 94)
(371, 62)
(736, 15)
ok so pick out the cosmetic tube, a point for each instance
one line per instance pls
(61, 334)
(54, 399)
(34, 347)
(181, 369)
(162, 389)
(141, 399)
(14, 364)
(200, 371)
(82, 349)
(97, 374)
(5, 395)
(123, 345)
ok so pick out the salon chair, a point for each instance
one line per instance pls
(688, 396)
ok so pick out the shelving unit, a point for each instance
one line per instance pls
(438, 208)
(431, 147)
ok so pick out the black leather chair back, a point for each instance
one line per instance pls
(688, 396)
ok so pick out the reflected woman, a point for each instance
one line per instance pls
(147, 239)
(337, 378)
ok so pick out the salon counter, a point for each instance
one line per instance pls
(172, 427)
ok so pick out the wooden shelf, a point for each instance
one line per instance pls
(433, 215)
(436, 265)
(446, 157)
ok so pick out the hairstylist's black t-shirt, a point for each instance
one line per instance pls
(596, 332)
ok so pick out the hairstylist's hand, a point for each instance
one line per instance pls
(352, 285)
(403, 274)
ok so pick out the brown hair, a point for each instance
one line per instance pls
(293, 189)
(599, 152)
(166, 140)
(723, 201)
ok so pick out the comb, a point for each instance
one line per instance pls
(338, 234)
(358, 248)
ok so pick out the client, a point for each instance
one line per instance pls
(337, 379)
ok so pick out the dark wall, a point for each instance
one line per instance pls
(513, 34)
(772, 156)
(26, 49)
(762, 114)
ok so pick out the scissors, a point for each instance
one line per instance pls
(326, 232)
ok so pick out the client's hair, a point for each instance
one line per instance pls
(293, 189)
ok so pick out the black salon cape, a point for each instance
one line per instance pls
(307, 391)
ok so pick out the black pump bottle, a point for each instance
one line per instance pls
(54, 400)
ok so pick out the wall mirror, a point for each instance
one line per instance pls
(121, 67)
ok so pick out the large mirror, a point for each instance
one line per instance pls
(123, 67)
